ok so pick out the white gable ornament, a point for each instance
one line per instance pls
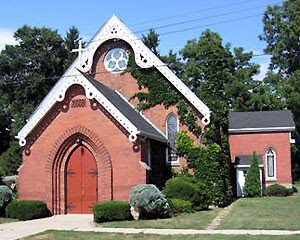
(144, 57)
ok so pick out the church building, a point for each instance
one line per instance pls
(86, 142)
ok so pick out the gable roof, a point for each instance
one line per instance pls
(264, 121)
(144, 58)
(142, 124)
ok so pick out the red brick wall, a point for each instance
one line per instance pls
(127, 86)
(35, 179)
(247, 143)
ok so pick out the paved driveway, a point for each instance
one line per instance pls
(18, 230)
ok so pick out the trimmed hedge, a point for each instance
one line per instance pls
(112, 211)
(26, 210)
(180, 206)
(149, 202)
(188, 189)
(277, 190)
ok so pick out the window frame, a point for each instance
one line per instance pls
(274, 164)
(173, 163)
(107, 61)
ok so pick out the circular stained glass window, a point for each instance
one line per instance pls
(116, 60)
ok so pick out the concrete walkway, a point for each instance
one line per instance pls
(16, 230)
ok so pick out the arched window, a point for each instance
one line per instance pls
(271, 164)
(171, 130)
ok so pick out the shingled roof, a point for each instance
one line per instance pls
(136, 118)
(245, 160)
(264, 121)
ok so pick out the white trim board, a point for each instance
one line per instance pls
(265, 129)
(91, 93)
(114, 28)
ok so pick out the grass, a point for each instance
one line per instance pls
(7, 220)
(198, 220)
(282, 213)
(71, 235)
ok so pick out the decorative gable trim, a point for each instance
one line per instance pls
(113, 29)
(91, 93)
(144, 58)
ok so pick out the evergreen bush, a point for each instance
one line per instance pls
(252, 186)
(111, 211)
(149, 202)
(277, 190)
(180, 206)
(5, 198)
(26, 210)
(188, 189)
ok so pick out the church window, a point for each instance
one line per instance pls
(271, 164)
(116, 60)
(172, 129)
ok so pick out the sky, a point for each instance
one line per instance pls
(239, 22)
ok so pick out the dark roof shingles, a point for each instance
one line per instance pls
(264, 119)
(126, 109)
(246, 160)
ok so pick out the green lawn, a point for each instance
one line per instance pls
(198, 220)
(7, 220)
(281, 213)
(71, 235)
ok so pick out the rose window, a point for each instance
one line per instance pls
(116, 60)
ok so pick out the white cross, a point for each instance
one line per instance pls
(80, 50)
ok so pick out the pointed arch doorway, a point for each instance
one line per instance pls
(81, 176)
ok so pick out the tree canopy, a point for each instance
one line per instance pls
(28, 71)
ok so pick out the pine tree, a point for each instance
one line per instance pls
(252, 186)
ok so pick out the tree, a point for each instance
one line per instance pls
(252, 186)
(281, 33)
(223, 79)
(28, 71)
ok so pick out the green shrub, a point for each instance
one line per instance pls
(295, 189)
(277, 191)
(252, 186)
(188, 189)
(26, 210)
(149, 202)
(180, 206)
(290, 191)
(5, 198)
(112, 211)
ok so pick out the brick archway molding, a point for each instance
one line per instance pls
(56, 166)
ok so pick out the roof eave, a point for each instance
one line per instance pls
(154, 137)
(256, 130)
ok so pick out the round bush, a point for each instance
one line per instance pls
(26, 210)
(112, 211)
(188, 189)
(180, 206)
(277, 191)
(149, 202)
(5, 198)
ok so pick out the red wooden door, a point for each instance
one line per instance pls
(81, 177)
